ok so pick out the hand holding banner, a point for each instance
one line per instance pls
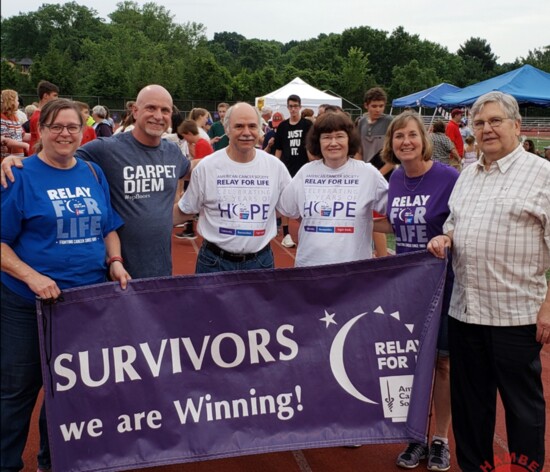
(190, 368)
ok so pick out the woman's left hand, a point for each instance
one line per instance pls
(437, 245)
(118, 273)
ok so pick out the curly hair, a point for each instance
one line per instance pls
(9, 99)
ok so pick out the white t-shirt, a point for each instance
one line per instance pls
(236, 202)
(336, 209)
(203, 134)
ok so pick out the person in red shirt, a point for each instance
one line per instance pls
(198, 148)
(453, 131)
(88, 133)
(46, 92)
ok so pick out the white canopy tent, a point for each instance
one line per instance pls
(310, 96)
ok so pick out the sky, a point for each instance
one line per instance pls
(512, 28)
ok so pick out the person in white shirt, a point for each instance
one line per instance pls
(236, 193)
(499, 231)
(334, 196)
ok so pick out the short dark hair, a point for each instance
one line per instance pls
(83, 106)
(374, 94)
(45, 87)
(438, 126)
(399, 122)
(177, 120)
(188, 126)
(327, 123)
(294, 98)
(332, 108)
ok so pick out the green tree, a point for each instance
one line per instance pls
(103, 72)
(153, 20)
(58, 67)
(229, 40)
(411, 78)
(9, 75)
(255, 54)
(314, 54)
(374, 43)
(539, 58)
(355, 78)
(479, 60)
(206, 79)
(65, 25)
(263, 81)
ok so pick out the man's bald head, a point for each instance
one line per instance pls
(154, 91)
(152, 113)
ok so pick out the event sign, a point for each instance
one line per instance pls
(189, 368)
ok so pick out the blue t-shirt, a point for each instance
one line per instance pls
(55, 220)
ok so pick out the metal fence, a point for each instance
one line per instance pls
(118, 105)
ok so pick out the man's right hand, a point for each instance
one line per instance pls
(6, 172)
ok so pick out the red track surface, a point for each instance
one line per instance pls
(373, 458)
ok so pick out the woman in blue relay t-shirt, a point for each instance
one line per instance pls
(58, 232)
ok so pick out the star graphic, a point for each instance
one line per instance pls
(328, 319)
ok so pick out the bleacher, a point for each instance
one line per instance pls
(536, 124)
(531, 125)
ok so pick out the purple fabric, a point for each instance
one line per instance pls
(418, 207)
(331, 384)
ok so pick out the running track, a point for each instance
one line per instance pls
(371, 458)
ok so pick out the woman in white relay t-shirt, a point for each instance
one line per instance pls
(334, 196)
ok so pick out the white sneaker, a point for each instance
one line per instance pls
(287, 241)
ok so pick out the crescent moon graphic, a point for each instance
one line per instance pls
(337, 361)
(401, 214)
(68, 207)
(235, 210)
(315, 207)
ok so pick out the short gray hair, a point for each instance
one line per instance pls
(508, 104)
(99, 111)
(230, 111)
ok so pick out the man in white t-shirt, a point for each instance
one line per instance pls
(236, 193)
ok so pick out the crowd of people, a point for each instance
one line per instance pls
(93, 202)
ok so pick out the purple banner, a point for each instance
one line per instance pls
(190, 368)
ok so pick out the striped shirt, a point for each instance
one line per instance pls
(11, 128)
(501, 240)
(442, 147)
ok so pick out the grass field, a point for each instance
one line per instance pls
(540, 142)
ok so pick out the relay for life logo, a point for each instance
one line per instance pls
(395, 360)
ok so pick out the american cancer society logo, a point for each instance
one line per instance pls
(392, 360)
(244, 212)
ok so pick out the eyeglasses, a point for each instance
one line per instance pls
(327, 138)
(293, 106)
(58, 129)
(478, 125)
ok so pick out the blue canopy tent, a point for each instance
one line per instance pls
(528, 85)
(429, 98)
